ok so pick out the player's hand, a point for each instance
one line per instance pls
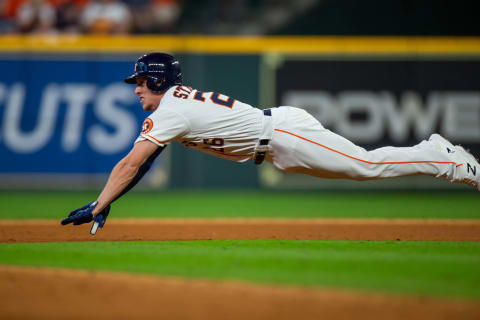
(84, 215)
(101, 217)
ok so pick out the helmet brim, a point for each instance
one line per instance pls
(132, 79)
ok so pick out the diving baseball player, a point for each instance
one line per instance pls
(288, 137)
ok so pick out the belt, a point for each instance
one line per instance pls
(267, 129)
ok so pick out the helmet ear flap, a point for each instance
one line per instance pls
(155, 84)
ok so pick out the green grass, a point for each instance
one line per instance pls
(432, 268)
(214, 203)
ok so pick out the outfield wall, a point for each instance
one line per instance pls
(66, 117)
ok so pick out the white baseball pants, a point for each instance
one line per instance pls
(300, 144)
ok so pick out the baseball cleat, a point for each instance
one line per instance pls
(442, 143)
(468, 168)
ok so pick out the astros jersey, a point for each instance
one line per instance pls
(206, 121)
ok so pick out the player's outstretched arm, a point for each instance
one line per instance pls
(125, 175)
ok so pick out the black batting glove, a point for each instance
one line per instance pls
(84, 215)
(101, 218)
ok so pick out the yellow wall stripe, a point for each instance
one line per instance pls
(245, 45)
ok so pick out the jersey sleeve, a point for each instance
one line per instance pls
(162, 126)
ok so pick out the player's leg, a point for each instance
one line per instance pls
(307, 147)
(326, 154)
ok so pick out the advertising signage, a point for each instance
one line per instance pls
(59, 116)
(386, 101)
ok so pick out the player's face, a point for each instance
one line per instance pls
(148, 99)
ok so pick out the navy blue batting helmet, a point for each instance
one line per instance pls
(161, 70)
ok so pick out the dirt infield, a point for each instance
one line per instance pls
(28, 293)
(233, 229)
(41, 293)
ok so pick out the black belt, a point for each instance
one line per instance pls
(260, 155)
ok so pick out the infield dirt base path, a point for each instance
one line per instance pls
(42, 293)
(238, 229)
(33, 293)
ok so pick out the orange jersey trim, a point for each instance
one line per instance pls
(361, 160)
(147, 135)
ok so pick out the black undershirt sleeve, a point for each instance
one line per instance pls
(141, 172)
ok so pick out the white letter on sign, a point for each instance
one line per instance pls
(77, 97)
(124, 123)
(22, 142)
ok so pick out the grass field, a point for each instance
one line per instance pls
(431, 268)
(232, 204)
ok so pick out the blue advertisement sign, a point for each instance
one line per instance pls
(60, 116)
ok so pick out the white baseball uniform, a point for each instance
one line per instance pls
(227, 128)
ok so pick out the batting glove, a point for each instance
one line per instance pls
(101, 218)
(84, 215)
